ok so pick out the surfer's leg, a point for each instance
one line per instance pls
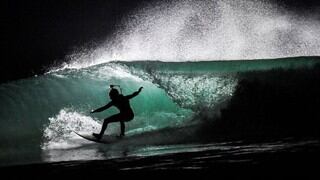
(122, 125)
(114, 118)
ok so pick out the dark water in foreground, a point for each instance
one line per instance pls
(285, 158)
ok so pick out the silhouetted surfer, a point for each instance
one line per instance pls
(122, 103)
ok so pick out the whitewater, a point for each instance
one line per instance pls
(190, 57)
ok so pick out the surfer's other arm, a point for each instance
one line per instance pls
(102, 108)
(134, 94)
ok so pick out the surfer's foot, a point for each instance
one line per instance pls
(121, 136)
(98, 136)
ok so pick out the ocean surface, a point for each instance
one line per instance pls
(179, 111)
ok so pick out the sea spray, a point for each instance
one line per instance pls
(186, 30)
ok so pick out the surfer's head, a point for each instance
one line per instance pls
(113, 94)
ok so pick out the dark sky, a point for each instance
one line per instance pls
(41, 31)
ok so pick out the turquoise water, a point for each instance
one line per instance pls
(38, 114)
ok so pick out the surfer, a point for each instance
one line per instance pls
(122, 103)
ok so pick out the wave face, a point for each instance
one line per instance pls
(197, 30)
(38, 114)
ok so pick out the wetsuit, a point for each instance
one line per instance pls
(126, 113)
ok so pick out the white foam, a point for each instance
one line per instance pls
(188, 30)
(59, 133)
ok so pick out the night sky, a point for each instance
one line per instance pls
(40, 32)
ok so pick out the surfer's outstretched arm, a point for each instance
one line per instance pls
(103, 107)
(134, 94)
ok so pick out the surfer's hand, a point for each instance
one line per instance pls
(140, 89)
(92, 111)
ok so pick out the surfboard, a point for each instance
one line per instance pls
(106, 139)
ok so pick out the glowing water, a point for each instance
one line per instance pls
(38, 114)
(45, 109)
